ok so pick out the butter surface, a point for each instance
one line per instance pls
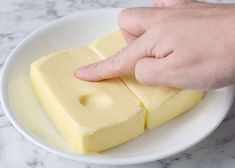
(92, 116)
(108, 45)
(155, 99)
(96, 116)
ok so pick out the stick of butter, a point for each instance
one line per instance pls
(92, 116)
(162, 103)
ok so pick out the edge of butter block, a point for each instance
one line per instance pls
(87, 135)
(42, 98)
(192, 99)
(146, 106)
(109, 36)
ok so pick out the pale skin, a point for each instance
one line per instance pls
(176, 43)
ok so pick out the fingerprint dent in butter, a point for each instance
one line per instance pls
(97, 116)
(91, 116)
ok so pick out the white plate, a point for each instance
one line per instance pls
(23, 110)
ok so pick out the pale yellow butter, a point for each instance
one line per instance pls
(155, 99)
(95, 116)
(92, 116)
(108, 45)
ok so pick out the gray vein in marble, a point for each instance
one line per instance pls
(5, 125)
(35, 163)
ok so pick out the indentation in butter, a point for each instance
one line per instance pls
(96, 101)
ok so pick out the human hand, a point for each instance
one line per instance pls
(170, 3)
(190, 45)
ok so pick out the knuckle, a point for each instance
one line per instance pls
(93, 67)
(120, 60)
(151, 44)
(126, 15)
(149, 41)
(117, 65)
(134, 20)
(123, 17)
(96, 66)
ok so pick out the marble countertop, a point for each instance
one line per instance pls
(20, 17)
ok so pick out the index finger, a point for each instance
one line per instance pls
(121, 63)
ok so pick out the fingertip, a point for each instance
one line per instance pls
(77, 74)
(81, 73)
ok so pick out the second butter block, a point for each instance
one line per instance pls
(162, 103)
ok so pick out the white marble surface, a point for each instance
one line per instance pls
(20, 17)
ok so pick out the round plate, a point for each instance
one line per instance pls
(25, 113)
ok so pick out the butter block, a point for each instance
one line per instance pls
(161, 103)
(91, 116)
(108, 45)
(173, 106)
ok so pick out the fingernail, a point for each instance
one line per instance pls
(81, 72)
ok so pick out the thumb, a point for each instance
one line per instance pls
(169, 3)
(155, 71)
